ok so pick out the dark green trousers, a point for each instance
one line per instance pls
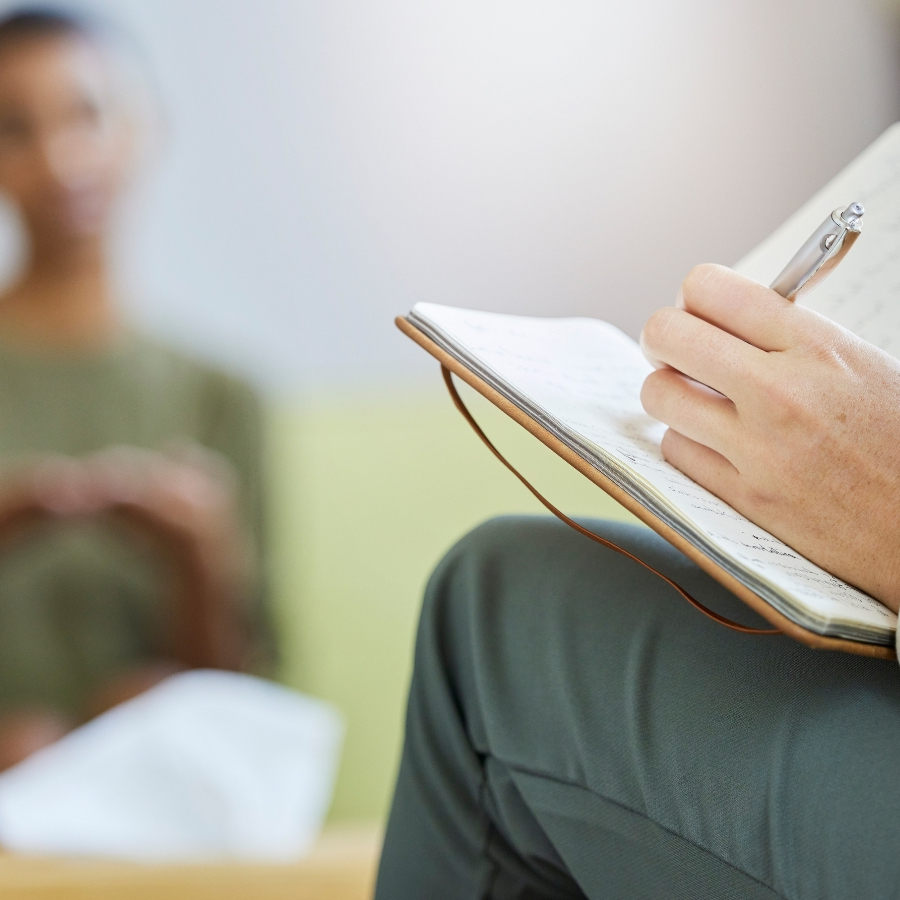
(575, 729)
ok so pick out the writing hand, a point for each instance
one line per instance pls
(788, 417)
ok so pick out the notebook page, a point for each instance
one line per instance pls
(863, 292)
(587, 375)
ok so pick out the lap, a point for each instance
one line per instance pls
(585, 677)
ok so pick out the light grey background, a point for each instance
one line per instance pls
(330, 162)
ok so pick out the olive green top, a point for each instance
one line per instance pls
(81, 601)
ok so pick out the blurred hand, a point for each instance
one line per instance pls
(786, 416)
(129, 684)
(187, 496)
(185, 501)
(27, 731)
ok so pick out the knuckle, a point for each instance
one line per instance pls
(779, 395)
(829, 348)
(791, 413)
(652, 392)
(669, 446)
(700, 274)
(698, 280)
(793, 409)
(822, 340)
(659, 327)
(760, 497)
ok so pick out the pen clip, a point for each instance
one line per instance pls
(840, 248)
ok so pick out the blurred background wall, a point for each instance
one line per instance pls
(327, 163)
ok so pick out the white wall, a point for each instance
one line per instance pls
(332, 161)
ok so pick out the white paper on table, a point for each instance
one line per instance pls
(205, 765)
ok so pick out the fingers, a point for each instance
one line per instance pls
(120, 474)
(187, 493)
(708, 468)
(749, 311)
(700, 350)
(167, 484)
(204, 460)
(742, 307)
(58, 485)
(692, 409)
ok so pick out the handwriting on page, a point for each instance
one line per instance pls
(863, 293)
(587, 376)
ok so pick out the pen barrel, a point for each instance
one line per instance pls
(822, 244)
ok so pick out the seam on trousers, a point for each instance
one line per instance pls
(534, 773)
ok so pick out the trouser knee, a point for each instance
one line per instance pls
(482, 564)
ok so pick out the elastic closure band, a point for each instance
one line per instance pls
(458, 403)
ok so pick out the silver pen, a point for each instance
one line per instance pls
(824, 249)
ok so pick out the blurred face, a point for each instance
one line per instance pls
(65, 145)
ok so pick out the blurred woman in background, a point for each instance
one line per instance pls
(130, 484)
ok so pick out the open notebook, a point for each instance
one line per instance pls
(580, 380)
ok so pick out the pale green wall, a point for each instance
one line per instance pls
(368, 493)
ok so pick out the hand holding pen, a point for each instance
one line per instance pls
(788, 417)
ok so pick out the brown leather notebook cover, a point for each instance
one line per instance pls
(753, 600)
